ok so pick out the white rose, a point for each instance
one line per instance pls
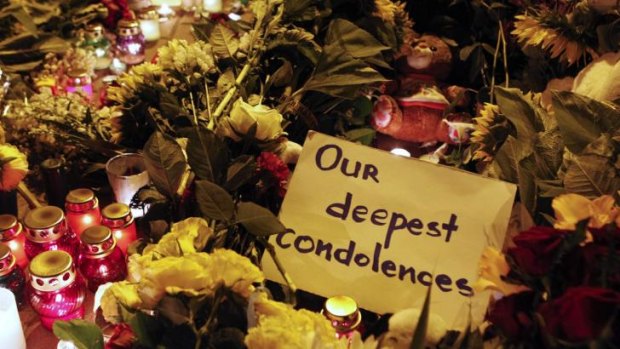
(243, 116)
(402, 325)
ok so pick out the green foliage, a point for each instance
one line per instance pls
(258, 220)
(419, 335)
(83, 334)
(165, 163)
(213, 201)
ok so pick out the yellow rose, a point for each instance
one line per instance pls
(173, 275)
(570, 209)
(492, 267)
(280, 326)
(243, 116)
(603, 211)
(14, 167)
(234, 271)
(119, 294)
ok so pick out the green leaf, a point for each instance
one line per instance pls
(147, 328)
(24, 18)
(582, 120)
(223, 41)
(300, 39)
(226, 81)
(283, 76)
(520, 111)
(165, 163)
(419, 335)
(240, 171)
(362, 135)
(213, 201)
(352, 39)
(299, 10)
(174, 310)
(207, 154)
(592, 174)
(515, 164)
(338, 74)
(258, 220)
(83, 334)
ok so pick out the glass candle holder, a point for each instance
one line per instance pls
(130, 42)
(82, 210)
(119, 219)
(79, 81)
(46, 230)
(12, 335)
(12, 236)
(149, 24)
(101, 260)
(95, 40)
(55, 182)
(55, 290)
(11, 276)
(213, 6)
(127, 174)
(344, 315)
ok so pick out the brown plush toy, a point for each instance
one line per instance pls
(413, 108)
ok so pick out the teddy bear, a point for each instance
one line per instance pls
(413, 108)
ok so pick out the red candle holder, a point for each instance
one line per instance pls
(55, 290)
(118, 218)
(11, 276)
(101, 260)
(82, 210)
(46, 230)
(79, 81)
(12, 236)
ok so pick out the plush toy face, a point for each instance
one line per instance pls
(429, 55)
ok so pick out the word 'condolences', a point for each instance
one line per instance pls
(382, 228)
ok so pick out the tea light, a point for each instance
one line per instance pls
(82, 210)
(79, 81)
(11, 335)
(119, 219)
(12, 236)
(149, 24)
(344, 315)
(165, 12)
(214, 6)
(401, 152)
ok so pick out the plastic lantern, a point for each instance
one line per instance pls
(11, 276)
(344, 315)
(118, 218)
(130, 42)
(11, 335)
(12, 236)
(95, 40)
(149, 24)
(101, 260)
(79, 81)
(82, 210)
(55, 291)
(46, 230)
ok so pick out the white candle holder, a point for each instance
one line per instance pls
(127, 174)
(11, 335)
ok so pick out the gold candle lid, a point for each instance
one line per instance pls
(51, 164)
(77, 73)
(116, 211)
(50, 263)
(343, 312)
(80, 196)
(43, 217)
(149, 13)
(94, 27)
(9, 227)
(128, 23)
(98, 241)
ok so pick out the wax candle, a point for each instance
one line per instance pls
(11, 335)
(12, 236)
(149, 24)
(212, 6)
(119, 219)
(82, 210)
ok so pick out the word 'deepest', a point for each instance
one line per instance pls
(348, 256)
(396, 221)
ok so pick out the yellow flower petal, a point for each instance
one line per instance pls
(492, 267)
(14, 168)
(603, 211)
(569, 210)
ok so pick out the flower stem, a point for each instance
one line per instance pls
(229, 95)
(287, 278)
(30, 198)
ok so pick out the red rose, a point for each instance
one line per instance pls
(580, 314)
(271, 163)
(536, 249)
(122, 337)
(511, 314)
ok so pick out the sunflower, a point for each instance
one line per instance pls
(531, 31)
(483, 134)
(14, 167)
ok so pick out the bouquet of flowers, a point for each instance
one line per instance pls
(559, 286)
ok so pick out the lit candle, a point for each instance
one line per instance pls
(130, 42)
(149, 24)
(12, 235)
(94, 39)
(119, 219)
(82, 210)
(79, 81)
(165, 12)
(11, 335)
(344, 315)
(212, 6)
(166, 2)
(118, 67)
(401, 152)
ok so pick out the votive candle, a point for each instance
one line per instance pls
(118, 218)
(82, 210)
(12, 335)
(12, 236)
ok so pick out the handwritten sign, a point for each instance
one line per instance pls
(382, 228)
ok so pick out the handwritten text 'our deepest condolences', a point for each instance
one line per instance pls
(382, 228)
